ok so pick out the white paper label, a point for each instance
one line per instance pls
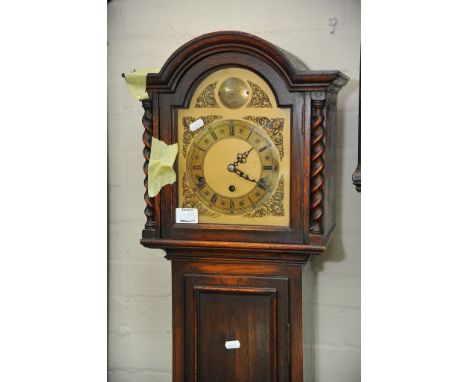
(232, 344)
(195, 125)
(186, 215)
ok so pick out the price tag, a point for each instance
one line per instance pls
(232, 344)
(187, 215)
(195, 125)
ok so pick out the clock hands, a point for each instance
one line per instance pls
(244, 175)
(242, 158)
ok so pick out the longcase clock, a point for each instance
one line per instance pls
(255, 131)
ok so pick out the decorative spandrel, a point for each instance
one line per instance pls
(189, 134)
(191, 200)
(273, 127)
(274, 206)
(259, 97)
(207, 98)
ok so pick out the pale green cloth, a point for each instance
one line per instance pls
(160, 171)
(136, 82)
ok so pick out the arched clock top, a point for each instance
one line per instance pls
(223, 44)
(234, 89)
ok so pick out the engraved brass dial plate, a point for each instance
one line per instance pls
(235, 169)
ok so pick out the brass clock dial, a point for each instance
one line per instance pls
(234, 162)
(232, 167)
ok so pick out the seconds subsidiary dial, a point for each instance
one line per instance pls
(232, 167)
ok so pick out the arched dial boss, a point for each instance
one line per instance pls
(232, 167)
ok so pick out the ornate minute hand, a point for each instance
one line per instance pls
(233, 168)
(244, 175)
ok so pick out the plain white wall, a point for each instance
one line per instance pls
(143, 33)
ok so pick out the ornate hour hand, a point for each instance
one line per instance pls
(242, 157)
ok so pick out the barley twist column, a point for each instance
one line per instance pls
(147, 135)
(317, 165)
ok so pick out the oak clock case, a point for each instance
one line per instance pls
(255, 131)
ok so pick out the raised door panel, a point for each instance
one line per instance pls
(250, 310)
(226, 316)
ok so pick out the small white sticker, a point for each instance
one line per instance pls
(195, 125)
(232, 344)
(186, 215)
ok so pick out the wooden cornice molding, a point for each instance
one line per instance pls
(290, 68)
